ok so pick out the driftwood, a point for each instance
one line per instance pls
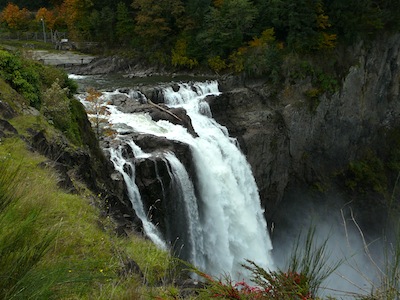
(165, 110)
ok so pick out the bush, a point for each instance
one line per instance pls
(22, 76)
(216, 64)
(367, 174)
(55, 105)
(180, 57)
(269, 285)
(49, 74)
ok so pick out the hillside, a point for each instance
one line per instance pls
(59, 235)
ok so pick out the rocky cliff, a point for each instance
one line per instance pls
(302, 143)
(75, 166)
(290, 141)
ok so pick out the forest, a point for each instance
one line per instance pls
(238, 35)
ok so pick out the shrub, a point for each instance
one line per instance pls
(311, 260)
(366, 174)
(97, 110)
(269, 285)
(307, 269)
(22, 76)
(49, 74)
(180, 57)
(55, 105)
(217, 64)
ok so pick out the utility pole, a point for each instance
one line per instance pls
(44, 31)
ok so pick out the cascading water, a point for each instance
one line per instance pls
(120, 163)
(224, 219)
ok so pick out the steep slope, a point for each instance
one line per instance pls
(295, 137)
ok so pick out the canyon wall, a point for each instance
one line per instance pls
(289, 138)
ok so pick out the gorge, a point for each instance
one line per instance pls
(305, 152)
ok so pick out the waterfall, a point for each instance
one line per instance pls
(185, 189)
(224, 219)
(120, 163)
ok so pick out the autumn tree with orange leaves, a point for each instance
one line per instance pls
(14, 17)
(47, 15)
(75, 13)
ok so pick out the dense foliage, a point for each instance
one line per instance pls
(47, 89)
(223, 34)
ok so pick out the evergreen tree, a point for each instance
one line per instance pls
(355, 19)
(156, 22)
(124, 25)
(298, 23)
(227, 26)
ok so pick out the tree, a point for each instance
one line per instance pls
(302, 24)
(196, 11)
(102, 25)
(227, 26)
(75, 13)
(28, 4)
(47, 15)
(97, 110)
(15, 18)
(350, 26)
(179, 57)
(124, 26)
(156, 22)
(55, 105)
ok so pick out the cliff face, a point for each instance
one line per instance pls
(287, 139)
(291, 140)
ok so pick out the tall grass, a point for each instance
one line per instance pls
(390, 282)
(387, 287)
(308, 267)
(21, 248)
(311, 259)
(55, 245)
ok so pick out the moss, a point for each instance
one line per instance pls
(81, 129)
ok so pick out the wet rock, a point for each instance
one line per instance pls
(176, 116)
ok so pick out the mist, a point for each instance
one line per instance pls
(359, 241)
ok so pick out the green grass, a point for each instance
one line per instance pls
(11, 97)
(64, 249)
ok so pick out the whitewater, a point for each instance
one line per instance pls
(226, 223)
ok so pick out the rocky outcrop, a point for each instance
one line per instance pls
(89, 165)
(137, 102)
(160, 195)
(286, 139)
